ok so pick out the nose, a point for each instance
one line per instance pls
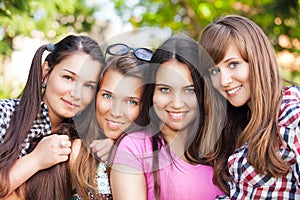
(225, 78)
(177, 102)
(116, 109)
(75, 92)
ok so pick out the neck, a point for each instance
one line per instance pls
(176, 140)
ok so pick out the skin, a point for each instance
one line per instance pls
(176, 105)
(70, 86)
(231, 77)
(174, 99)
(69, 90)
(118, 104)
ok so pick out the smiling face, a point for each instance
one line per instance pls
(231, 77)
(174, 98)
(71, 86)
(118, 102)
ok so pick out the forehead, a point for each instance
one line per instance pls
(80, 64)
(174, 73)
(117, 83)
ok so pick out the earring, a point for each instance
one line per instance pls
(44, 85)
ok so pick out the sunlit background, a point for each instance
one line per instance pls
(26, 25)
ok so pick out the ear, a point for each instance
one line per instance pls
(45, 70)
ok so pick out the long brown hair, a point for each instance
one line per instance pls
(258, 126)
(53, 182)
(83, 172)
(31, 97)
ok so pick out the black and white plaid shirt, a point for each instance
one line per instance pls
(41, 125)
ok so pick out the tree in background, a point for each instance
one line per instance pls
(52, 19)
(47, 19)
(279, 19)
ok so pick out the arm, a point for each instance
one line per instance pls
(127, 183)
(47, 153)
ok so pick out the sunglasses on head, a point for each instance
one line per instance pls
(120, 49)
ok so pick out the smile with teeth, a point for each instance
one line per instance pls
(114, 124)
(234, 90)
(177, 115)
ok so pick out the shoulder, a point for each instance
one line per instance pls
(8, 104)
(135, 151)
(289, 115)
(7, 108)
(136, 139)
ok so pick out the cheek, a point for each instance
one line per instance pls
(56, 86)
(102, 107)
(193, 103)
(160, 100)
(133, 113)
(87, 96)
(215, 80)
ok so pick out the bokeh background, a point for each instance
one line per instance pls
(26, 25)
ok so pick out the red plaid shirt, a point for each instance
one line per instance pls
(248, 184)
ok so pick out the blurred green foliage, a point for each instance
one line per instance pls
(52, 18)
(279, 19)
(49, 19)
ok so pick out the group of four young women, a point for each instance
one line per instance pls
(188, 122)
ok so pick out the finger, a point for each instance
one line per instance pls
(63, 137)
(111, 141)
(65, 151)
(63, 158)
(65, 144)
(105, 159)
(98, 145)
(95, 142)
(102, 154)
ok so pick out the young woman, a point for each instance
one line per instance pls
(118, 104)
(162, 161)
(57, 90)
(260, 137)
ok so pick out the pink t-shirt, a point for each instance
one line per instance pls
(178, 179)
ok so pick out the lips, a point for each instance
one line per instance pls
(234, 91)
(114, 125)
(70, 104)
(177, 115)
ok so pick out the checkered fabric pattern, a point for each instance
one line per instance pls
(40, 127)
(248, 184)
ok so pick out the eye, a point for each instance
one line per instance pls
(107, 96)
(233, 65)
(190, 90)
(214, 71)
(67, 77)
(90, 86)
(165, 89)
(133, 102)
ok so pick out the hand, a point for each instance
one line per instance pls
(102, 148)
(51, 150)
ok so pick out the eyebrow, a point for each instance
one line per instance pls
(129, 97)
(73, 73)
(134, 98)
(161, 84)
(105, 90)
(231, 58)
